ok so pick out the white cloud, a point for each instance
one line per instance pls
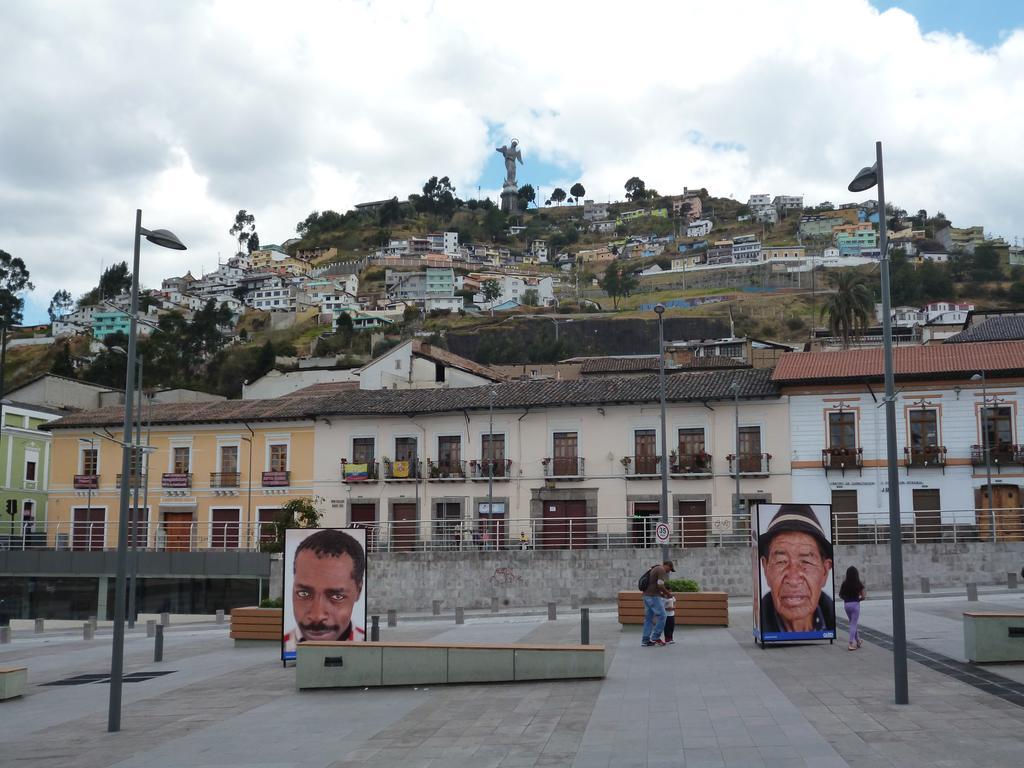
(194, 110)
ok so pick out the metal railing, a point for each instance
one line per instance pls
(642, 466)
(691, 464)
(446, 470)
(842, 459)
(563, 466)
(511, 533)
(750, 463)
(402, 470)
(225, 479)
(925, 457)
(480, 469)
(362, 472)
(1000, 454)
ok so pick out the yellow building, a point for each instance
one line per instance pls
(216, 473)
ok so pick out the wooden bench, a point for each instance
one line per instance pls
(698, 609)
(993, 636)
(256, 625)
(13, 681)
(355, 664)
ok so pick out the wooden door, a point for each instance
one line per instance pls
(844, 516)
(1006, 505)
(565, 459)
(178, 528)
(565, 525)
(365, 516)
(224, 528)
(88, 529)
(404, 528)
(927, 515)
(645, 459)
(646, 516)
(693, 524)
(750, 450)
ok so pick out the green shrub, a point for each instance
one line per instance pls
(271, 602)
(682, 585)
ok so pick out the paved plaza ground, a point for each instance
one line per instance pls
(713, 699)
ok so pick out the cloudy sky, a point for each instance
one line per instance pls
(191, 110)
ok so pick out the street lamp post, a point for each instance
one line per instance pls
(490, 464)
(165, 239)
(660, 309)
(142, 477)
(735, 387)
(866, 179)
(987, 448)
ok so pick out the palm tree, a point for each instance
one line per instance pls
(849, 308)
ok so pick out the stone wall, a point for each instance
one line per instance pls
(409, 582)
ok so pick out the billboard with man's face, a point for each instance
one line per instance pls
(793, 586)
(324, 586)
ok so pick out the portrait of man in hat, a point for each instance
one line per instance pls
(796, 560)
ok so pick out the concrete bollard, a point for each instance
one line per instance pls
(460, 615)
(88, 633)
(584, 626)
(151, 628)
(552, 612)
(435, 607)
(1011, 580)
(158, 643)
(220, 616)
(39, 626)
(574, 602)
(392, 618)
(972, 592)
(5, 635)
(374, 629)
(494, 605)
(926, 585)
(165, 619)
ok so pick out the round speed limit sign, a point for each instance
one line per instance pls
(662, 533)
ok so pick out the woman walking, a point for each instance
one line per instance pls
(852, 592)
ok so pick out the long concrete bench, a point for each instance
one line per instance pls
(993, 636)
(698, 609)
(13, 681)
(252, 625)
(351, 664)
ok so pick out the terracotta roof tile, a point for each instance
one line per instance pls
(935, 361)
(680, 387)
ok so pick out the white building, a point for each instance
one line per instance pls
(539, 248)
(698, 228)
(746, 249)
(759, 201)
(786, 203)
(947, 312)
(415, 364)
(594, 211)
(838, 436)
(79, 321)
(514, 288)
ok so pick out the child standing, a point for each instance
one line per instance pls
(670, 618)
(852, 593)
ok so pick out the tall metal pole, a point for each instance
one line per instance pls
(988, 455)
(142, 477)
(660, 309)
(3, 354)
(736, 426)
(248, 502)
(117, 653)
(899, 628)
(490, 463)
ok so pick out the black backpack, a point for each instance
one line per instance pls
(645, 580)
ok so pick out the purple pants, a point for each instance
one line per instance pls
(853, 614)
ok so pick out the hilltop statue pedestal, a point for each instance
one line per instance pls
(509, 199)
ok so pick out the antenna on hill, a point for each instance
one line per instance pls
(732, 325)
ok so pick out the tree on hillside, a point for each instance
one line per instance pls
(114, 281)
(531, 297)
(438, 197)
(617, 282)
(527, 194)
(319, 222)
(389, 213)
(14, 278)
(558, 195)
(253, 243)
(491, 290)
(985, 265)
(494, 223)
(636, 190)
(60, 305)
(849, 308)
(577, 191)
(1016, 294)
(243, 228)
(62, 363)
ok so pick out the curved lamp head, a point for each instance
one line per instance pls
(866, 179)
(659, 309)
(165, 238)
(977, 377)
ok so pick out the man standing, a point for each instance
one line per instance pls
(654, 608)
(328, 579)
